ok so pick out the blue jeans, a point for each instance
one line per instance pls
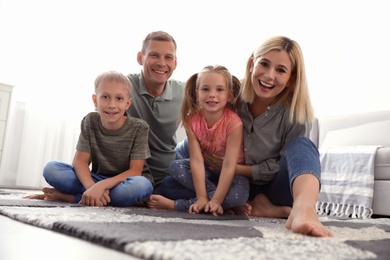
(63, 178)
(300, 157)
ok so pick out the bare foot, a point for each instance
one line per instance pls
(262, 207)
(35, 196)
(304, 220)
(54, 195)
(160, 202)
(243, 210)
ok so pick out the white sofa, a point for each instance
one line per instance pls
(371, 128)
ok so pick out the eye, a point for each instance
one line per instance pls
(263, 63)
(204, 89)
(104, 97)
(281, 70)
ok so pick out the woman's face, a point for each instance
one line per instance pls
(270, 75)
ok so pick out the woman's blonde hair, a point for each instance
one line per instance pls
(190, 104)
(296, 97)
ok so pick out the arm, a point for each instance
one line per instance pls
(197, 172)
(81, 163)
(233, 146)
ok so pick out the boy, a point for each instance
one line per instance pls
(116, 145)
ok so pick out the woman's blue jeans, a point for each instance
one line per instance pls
(301, 156)
(63, 178)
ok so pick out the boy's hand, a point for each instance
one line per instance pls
(95, 195)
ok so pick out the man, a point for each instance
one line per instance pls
(157, 99)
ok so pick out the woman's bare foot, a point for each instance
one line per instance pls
(160, 202)
(243, 210)
(304, 220)
(262, 207)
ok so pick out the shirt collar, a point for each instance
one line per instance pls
(166, 95)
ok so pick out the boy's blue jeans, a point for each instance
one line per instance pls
(63, 178)
(300, 157)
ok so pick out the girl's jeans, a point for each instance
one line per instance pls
(63, 178)
(300, 157)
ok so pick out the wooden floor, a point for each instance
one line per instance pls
(19, 241)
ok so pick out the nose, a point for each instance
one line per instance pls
(271, 73)
(111, 104)
(160, 62)
(212, 94)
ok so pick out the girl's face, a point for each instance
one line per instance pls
(270, 75)
(213, 93)
(112, 100)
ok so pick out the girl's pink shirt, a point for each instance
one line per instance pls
(213, 140)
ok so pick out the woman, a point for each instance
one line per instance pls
(281, 162)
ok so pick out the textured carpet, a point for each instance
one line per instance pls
(158, 234)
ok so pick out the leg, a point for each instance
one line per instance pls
(64, 181)
(238, 193)
(131, 191)
(305, 174)
(303, 218)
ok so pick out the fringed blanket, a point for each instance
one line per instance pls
(347, 181)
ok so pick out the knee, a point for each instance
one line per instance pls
(50, 170)
(302, 144)
(142, 185)
(177, 166)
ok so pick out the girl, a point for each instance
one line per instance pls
(212, 128)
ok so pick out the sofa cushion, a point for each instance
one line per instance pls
(382, 164)
(376, 133)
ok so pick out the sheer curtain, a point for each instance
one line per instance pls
(35, 136)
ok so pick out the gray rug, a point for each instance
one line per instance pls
(159, 234)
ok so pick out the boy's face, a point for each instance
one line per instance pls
(112, 99)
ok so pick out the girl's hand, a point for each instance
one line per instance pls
(214, 161)
(214, 207)
(198, 206)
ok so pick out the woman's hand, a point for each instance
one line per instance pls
(214, 161)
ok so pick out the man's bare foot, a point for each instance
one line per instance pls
(304, 220)
(262, 207)
(54, 195)
(243, 210)
(160, 202)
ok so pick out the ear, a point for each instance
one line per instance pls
(128, 103)
(94, 99)
(252, 65)
(139, 58)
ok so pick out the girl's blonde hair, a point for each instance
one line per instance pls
(296, 97)
(190, 104)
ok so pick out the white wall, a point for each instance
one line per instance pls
(52, 50)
